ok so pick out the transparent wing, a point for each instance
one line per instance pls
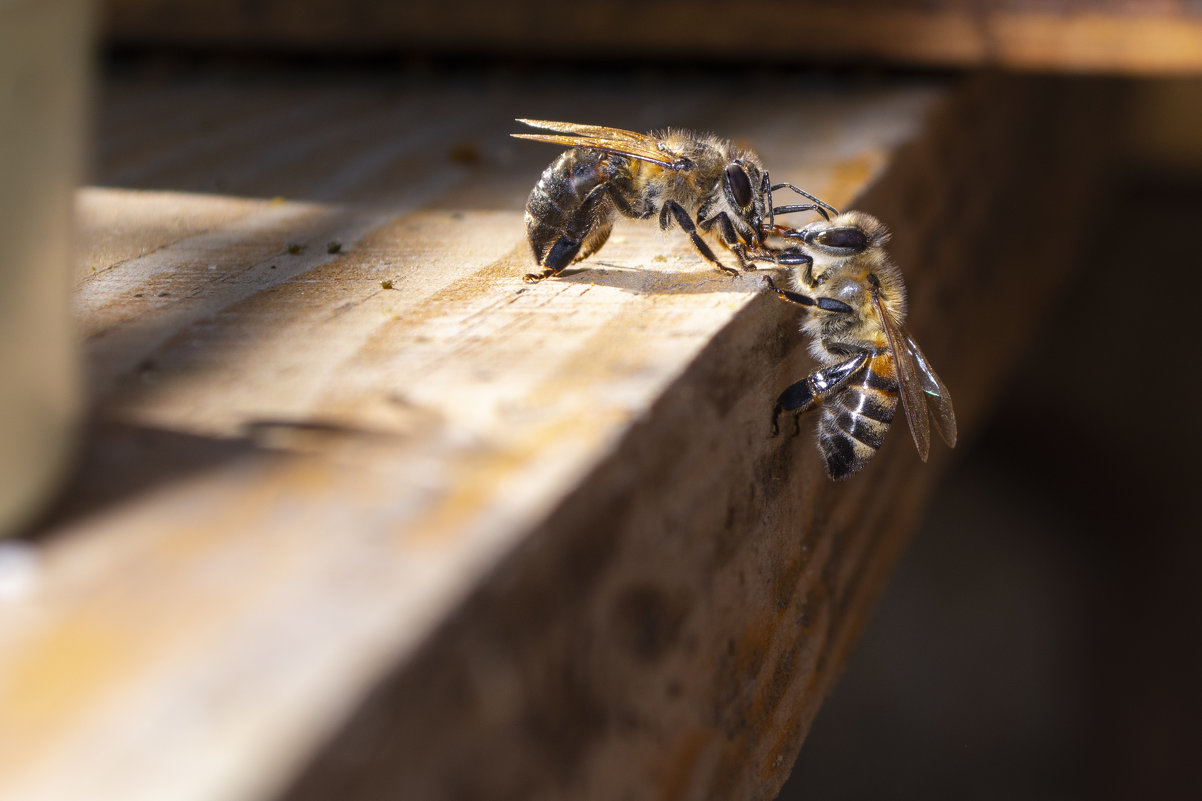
(579, 129)
(908, 380)
(611, 140)
(939, 401)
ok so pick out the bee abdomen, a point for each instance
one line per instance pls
(853, 424)
(555, 219)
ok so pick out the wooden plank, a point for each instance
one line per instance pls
(1162, 37)
(465, 537)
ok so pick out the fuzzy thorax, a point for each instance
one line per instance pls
(850, 265)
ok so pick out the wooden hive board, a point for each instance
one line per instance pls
(466, 537)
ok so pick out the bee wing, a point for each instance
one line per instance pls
(611, 140)
(939, 401)
(579, 129)
(908, 380)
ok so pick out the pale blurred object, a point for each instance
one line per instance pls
(18, 570)
(44, 55)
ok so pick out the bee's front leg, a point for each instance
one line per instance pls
(744, 255)
(791, 297)
(792, 257)
(825, 304)
(674, 211)
(730, 238)
(788, 257)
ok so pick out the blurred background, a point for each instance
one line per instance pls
(1040, 638)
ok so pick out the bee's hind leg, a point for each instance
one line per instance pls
(819, 385)
(796, 398)
(597, 237)
(557, 257)
(673, 210)
(584, 234)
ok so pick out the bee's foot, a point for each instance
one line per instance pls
(534, 278)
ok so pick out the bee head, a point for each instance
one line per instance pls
(848, 237)
(848, 234)
(744, 185)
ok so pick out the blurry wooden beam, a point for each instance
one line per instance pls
(381, 521)
(1077, 36)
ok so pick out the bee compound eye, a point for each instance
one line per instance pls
(842, 239)
(739, 184)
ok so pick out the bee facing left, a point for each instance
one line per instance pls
(857, 304)
(700, 182)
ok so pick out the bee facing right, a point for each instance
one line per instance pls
(857, 304)
(702, 183)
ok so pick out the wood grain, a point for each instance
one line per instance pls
(464, 537)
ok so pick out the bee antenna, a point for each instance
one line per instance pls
(767, 189)
(806, 194)
(804, 207)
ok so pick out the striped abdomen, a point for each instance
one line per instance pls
(565, 211)
(854, 422)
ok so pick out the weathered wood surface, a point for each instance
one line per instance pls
(464, 537)
(1160, 37)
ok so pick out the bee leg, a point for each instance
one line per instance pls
(819, 385)
(745, 262)
(784, 294)
(597, 237)
(790, 256)
(559, 256)
(673, 210)
(825, 304)
(799, 208)
(730, 238)
(793, 257)
(587, 229)
(797, 398)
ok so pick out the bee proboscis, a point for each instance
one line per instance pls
(699, 182)
(857, 304)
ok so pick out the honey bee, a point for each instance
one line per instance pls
(857, 304)
(702, 183)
